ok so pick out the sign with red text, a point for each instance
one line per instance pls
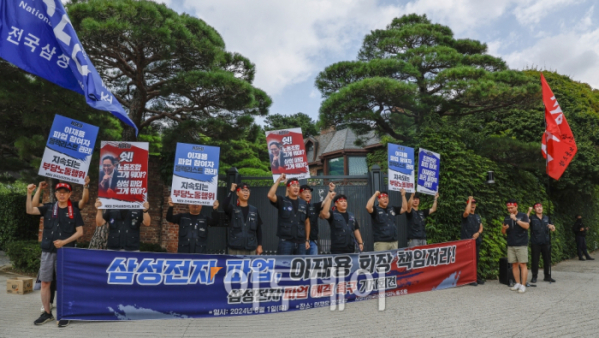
(69, 150)
(195, 174)
(123, 180)
(287, 153)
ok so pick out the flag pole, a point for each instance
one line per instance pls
(549, 199)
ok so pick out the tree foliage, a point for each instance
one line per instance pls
(299, 120)
(164, 65)
(414, 69)
(28, 105)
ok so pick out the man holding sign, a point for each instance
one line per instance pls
(63, 225)
(193, 227)
(416, 219)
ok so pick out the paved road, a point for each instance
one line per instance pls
(568, 308)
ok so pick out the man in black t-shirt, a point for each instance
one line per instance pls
(384, 229)
(313, 214)
(193, 227)
(472, 227)
(63, 225)
(516, 225)
(580, 232)
(540, 242)
(345, 230)
(293, 223)
(416, 219)
(245, 224)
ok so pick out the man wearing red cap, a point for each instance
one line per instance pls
(345, 230)
(80, 204)
(540, 242)
(63, 225)
(384, 229)
(245, 224)
(516, 227)
(293, 224)
(472, 228)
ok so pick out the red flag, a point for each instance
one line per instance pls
(558, 142)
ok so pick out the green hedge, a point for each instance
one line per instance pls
(15, 224)
(24, 255)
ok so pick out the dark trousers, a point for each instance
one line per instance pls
(53, 288)
(477, 259)
(581, 245)
(537, 250)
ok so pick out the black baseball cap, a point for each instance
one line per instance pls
(305, 187)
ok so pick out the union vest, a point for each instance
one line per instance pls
(53, 230)
(192, 234)
(123, 233)
(242, 233)
(416, 225)
(342, 233)
(539, 231)
(383, 225)
(290, 225)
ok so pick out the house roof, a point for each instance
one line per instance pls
(341, 140)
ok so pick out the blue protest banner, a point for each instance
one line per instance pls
(428, 171)
(401, 168)
(68, 150)
(195, 174)
(116, 285)
(37, 36)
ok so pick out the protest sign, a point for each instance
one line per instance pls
(112, 285)
(401, 168)
(428, 172)
(69, 150)
(287, 153)
(195, 174)
(123, 180)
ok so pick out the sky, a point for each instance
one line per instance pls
(291, 41)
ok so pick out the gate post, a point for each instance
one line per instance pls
(232, 177)
(376, 179)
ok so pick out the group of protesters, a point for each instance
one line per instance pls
(297, 228)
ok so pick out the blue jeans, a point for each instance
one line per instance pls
(287, 247)
(313, 249)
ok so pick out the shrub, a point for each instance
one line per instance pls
(15, 224)
(25, 255)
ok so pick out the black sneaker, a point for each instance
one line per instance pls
(63, 323)
(590, 258)
(533, 280)
(44, 318)
(549, 280)
(480, 282)
(581, 259)
(473, 284)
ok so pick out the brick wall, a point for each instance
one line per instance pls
(159, 231)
